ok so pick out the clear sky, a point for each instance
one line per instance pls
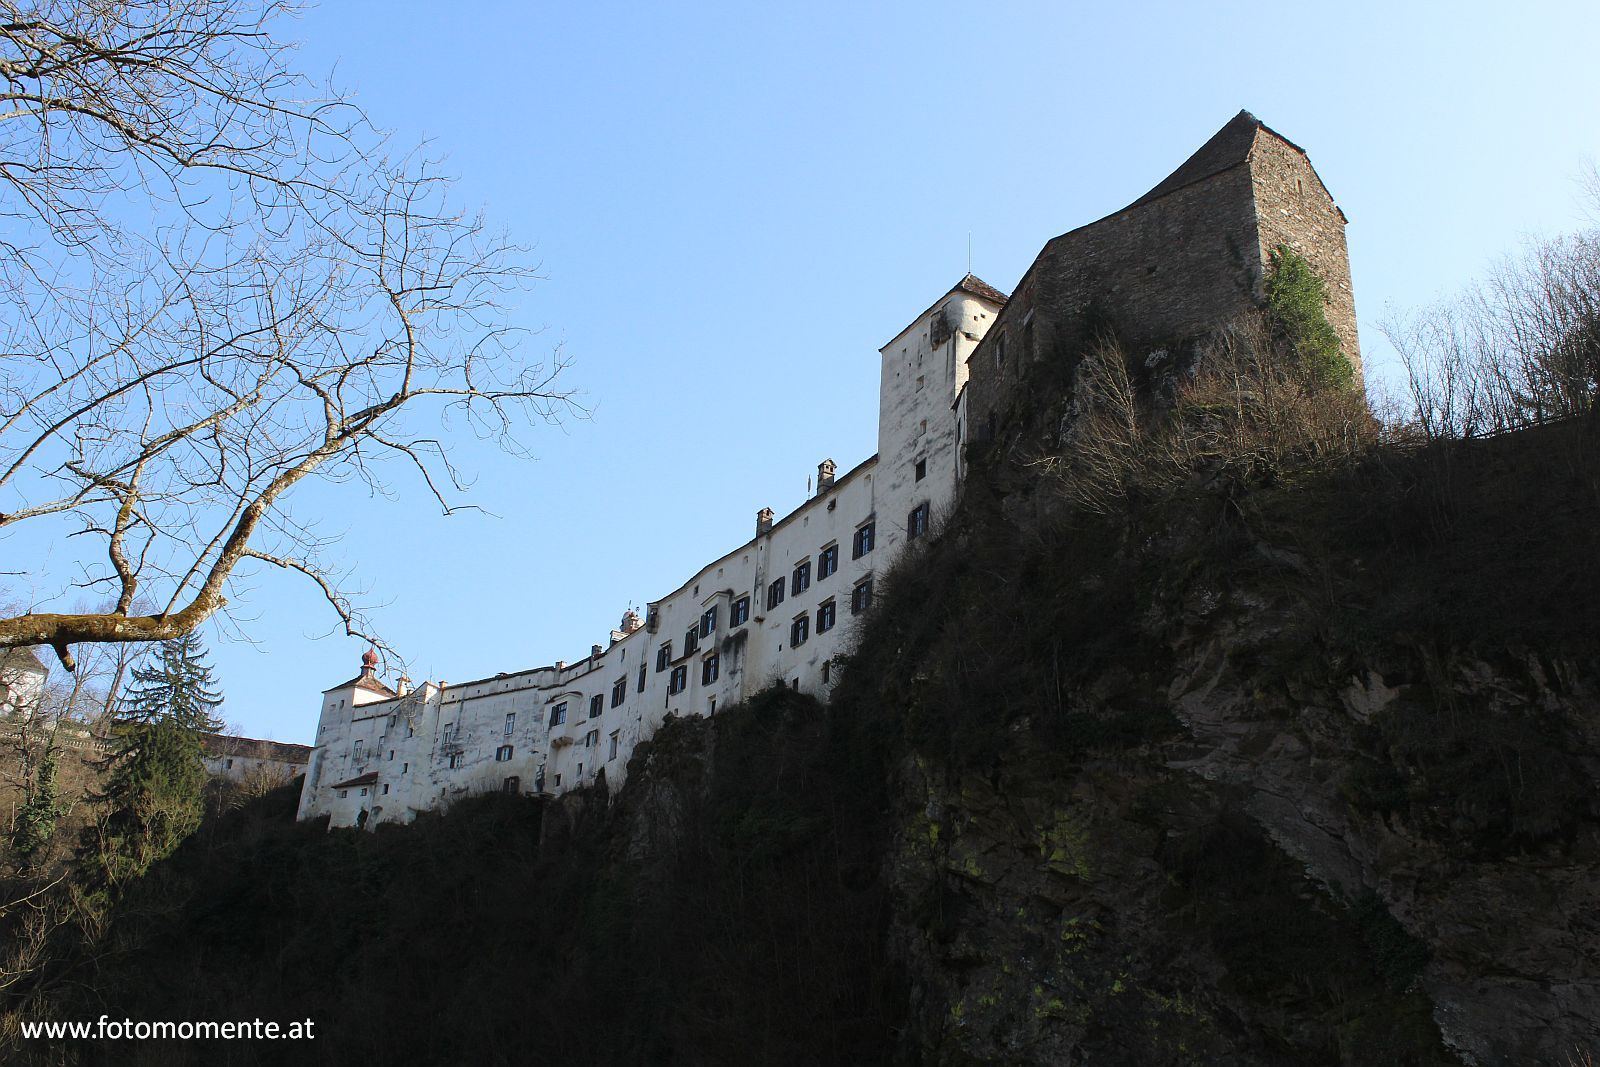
(735, 204)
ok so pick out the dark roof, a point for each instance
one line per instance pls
(360, 779)
(23, 659)
(365, 681)
(1228, 147)
(978, 287)
(251, 748)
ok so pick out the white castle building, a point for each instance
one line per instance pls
(1192, 252)
(773, 610)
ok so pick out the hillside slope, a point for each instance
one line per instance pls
(1272, 765)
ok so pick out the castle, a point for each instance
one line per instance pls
(1191, 252)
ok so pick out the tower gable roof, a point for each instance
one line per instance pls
(1228, 147)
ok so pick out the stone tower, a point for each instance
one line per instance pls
(1190, 253)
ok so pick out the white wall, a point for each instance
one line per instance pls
(404, 740)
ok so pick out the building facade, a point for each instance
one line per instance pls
(249, 761)
(778, 609)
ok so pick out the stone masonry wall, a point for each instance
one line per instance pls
(1155, 273)
(1294, 209)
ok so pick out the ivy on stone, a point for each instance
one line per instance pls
(1297, 303)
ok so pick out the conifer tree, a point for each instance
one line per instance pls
(177, 686)
(154, 797)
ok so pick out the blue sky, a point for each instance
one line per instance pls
(734, 205)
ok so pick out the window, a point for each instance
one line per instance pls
(229, 765)
(612, 753)
(922, 468)
(363, 790)
(863, 541)
(801, 580)
(708, 622)
(827, 670)
(619, 691)
(691, 639)
(740, 613)
(1000, 351)
(664, 656)
(343, 793)
(457, 759)
(917, 522)
(708, 670)
(411, 730)
(597, 705)
(357, 752)
(825, 616)
(799, 630)
(680, 679)
(511, 723)
(385, 788)
(502, 754)
(827, 561)
(405, 768)
(449, 734)
(512, 785)
(641, 677)
(775, 594)
(861, 597)
(591, 739)
(558, 714)
(391, 755)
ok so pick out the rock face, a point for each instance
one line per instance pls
(1383, 860)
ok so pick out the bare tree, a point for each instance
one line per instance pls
(1519, 348)
(225, 286)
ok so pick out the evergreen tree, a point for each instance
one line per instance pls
(177, 686)
(153, 799)
(154, 796)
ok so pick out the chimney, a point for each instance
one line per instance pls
(561, 665)
(594, 651)
(825, 471)
(763, 522)
(402, 686)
